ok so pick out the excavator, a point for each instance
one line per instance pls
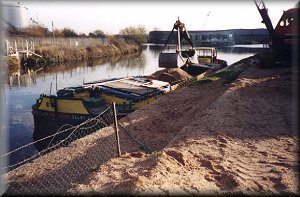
(195, 59)
(284, 37)
(180, 57)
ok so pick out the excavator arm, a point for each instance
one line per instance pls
(180, 57)
(265, 17)
(285, 34)
(181, 33)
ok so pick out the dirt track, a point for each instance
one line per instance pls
(210, 139)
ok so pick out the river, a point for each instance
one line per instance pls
(23, 87)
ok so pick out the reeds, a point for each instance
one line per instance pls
(60, 54)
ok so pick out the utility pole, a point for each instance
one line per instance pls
(53, 32)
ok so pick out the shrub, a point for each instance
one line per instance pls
(138, 33)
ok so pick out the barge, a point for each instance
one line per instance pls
(74, 105)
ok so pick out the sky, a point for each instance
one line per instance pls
(111, 16)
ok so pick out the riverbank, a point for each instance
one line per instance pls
(225, 134)
(214, 138)
(54, 54)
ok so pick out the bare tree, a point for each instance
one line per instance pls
(138, 33)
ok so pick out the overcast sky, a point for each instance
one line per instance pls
(111, 16)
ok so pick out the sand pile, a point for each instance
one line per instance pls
(171, 75)
(242, 143)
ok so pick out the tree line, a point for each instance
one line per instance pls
(137, 33)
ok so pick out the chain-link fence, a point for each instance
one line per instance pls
(64, 158)
(24, 43)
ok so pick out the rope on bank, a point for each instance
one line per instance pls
(142, 146)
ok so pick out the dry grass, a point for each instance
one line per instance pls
(60, 54)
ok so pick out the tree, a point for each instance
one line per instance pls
(82, 35)
(93, 35)
(138, 33)
(37, 31)
(69, 32)
(58, 33)
(99, 34)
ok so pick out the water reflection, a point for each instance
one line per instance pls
(20, 76)
(156, 49)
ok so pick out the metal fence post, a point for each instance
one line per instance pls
(116, 128)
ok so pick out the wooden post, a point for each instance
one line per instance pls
(53, 32)
(50, 87)
(56, 81)
(16, 50)
(116, 128)
(33, 46)
(22, 43)
(7, 47)
(27, 48)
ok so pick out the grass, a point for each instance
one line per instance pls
(157, 154)
(63, 54)
(228, 76)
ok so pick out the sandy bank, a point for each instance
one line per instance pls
(210, 139)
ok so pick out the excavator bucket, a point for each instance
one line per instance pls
(180, 57)
(177, 59)
(170, 60)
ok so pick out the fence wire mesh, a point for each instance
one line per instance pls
(64, 159)
(13, 43)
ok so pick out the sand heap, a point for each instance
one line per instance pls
(213, 138)
(170, 75)
(243, 142)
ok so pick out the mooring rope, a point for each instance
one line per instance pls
(143, 146)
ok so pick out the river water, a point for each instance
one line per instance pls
(23, 87)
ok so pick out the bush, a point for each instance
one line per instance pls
(37, 31)
(60, 54)
(69, 32)
(97, 34)
(138, 33)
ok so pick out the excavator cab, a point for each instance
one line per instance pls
(286, 30)
(206, 54)
(285, 35)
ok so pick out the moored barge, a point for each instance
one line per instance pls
(74, 105)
